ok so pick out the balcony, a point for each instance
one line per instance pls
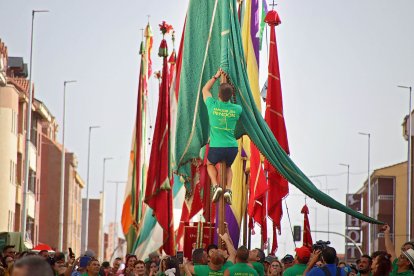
(20, 143)
(19, 194)
(32, 156)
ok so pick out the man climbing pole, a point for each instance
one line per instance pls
(223, 116)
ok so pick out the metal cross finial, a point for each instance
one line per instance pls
(273, 4)
(142, 32)
(148, 15)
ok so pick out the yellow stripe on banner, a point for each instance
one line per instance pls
(239, 177)
(250, 56)
(238, 185)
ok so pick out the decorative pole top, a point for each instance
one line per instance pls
(142, 47)
(272, 18)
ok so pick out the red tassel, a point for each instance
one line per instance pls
(272, 18)
(163, 50)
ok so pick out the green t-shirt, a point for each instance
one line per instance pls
(295, 270)
(242, 269)
(259, 268)
(227, 264)
(223, 117)
(395, 269)
(205, 270)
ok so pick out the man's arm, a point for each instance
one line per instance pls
(226, 273)
(389, 246)
(230, 247)
(188, 268)
(312, 261)
(207, 87)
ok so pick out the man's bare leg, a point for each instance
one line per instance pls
(229, 177)
(212, 172)
(228, 194)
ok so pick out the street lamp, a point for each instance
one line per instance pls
(408, 165)
(28, 133)
(346, 224)
(327, 191)
(316, 220)
(103, 207)
(116, 211)
(87, 189)
(369, 187)
(62, 171)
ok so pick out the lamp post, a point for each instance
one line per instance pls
(103, 207)
(62, 171)
(28, 133)
(346, 225)
(316, 220)
(87, 190)
(327, 191)
(369, 187)
(408, 165)
(116, 211)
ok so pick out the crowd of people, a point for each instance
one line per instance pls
(319, 260)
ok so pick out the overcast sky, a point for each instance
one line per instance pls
(341, 62)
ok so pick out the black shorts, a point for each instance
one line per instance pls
(216, 155)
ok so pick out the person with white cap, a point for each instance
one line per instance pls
(404, 264)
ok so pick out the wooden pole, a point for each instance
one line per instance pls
(223, 185)
(245, 217)
(222, 204)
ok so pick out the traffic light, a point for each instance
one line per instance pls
(297, 233)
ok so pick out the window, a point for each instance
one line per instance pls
(12, 122)
(10, 221)
(11, 171)
(19, 169)
(32, 181)
(14, 173)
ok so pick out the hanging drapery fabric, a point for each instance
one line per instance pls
(158, 193)
(307, 238)
(192, 203)
(278, 186)
(213, 40)
(148, 239)
(132, 207)
(148, 45)
(257, 199)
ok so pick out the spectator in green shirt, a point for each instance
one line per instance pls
(364, 265)
(404, 264)
(214, 267)
(217, 264)
(200, 257)
(302, 257)
(93, 267)
(256, 258)
(242, 266)
(223, 116)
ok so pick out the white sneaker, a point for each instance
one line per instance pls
(228, 196)
(217, 191)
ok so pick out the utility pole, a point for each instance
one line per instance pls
(346, 225)
(409, 166)
(28, 133)
(62, 171)
(369, 188)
